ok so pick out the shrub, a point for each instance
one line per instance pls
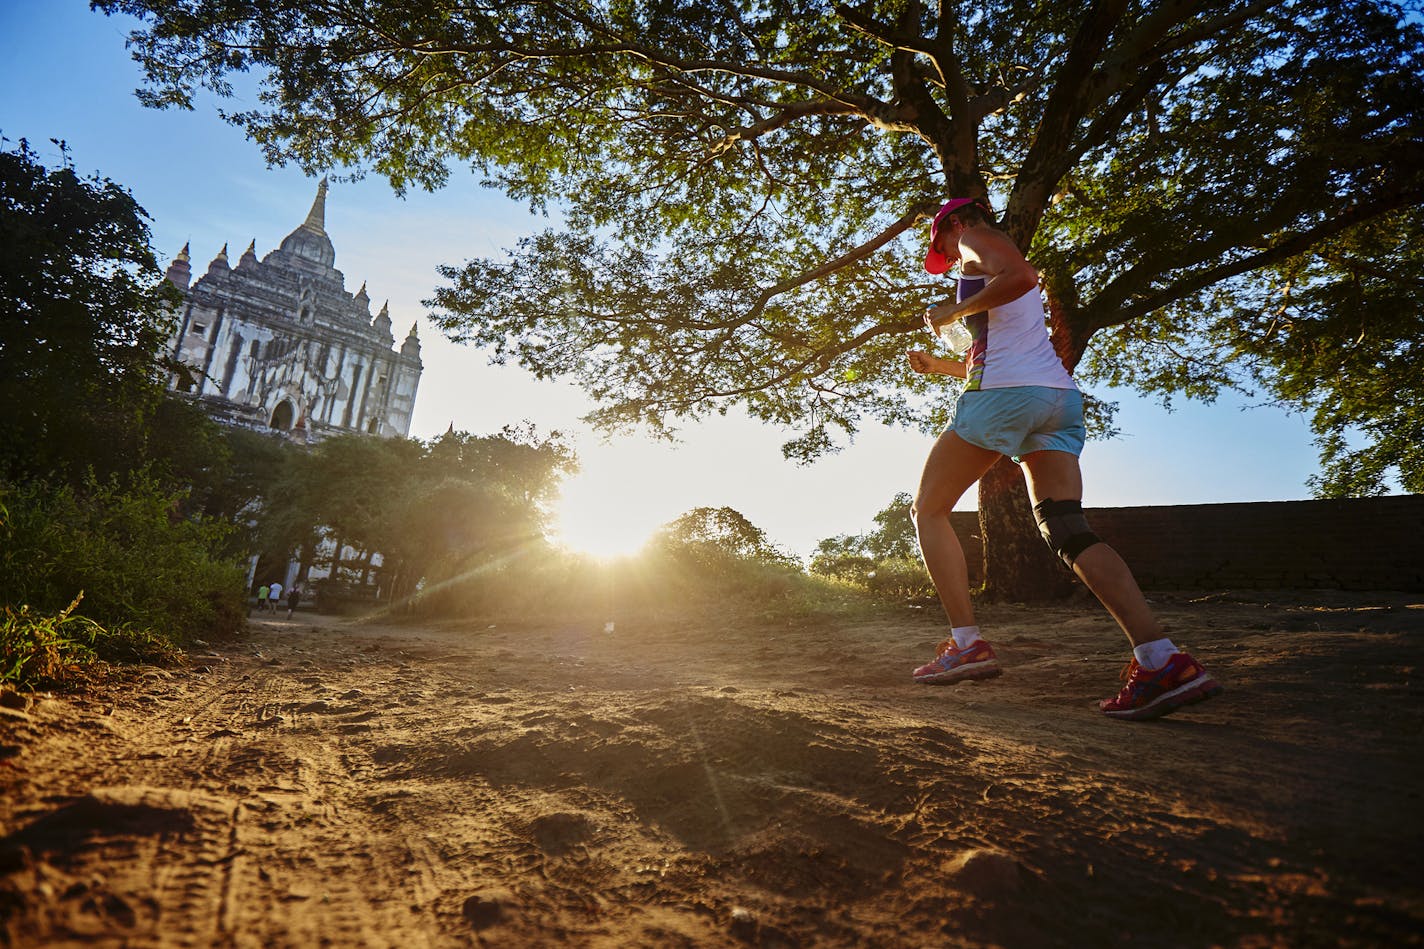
(666, 581)
(900, 578)
(39, 649)
(142, 567)
(888, 578)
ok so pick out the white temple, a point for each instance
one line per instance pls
(278, 344)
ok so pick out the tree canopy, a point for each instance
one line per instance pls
(1213, 190)
(721, 531)
(430, 509)
(114, 502)
(84, 314)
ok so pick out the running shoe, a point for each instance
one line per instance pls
(952, 664)
(1152, 693)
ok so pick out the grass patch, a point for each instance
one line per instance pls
(39, 649)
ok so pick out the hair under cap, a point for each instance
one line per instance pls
(935, 262)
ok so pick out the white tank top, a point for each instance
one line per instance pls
(1011, 345)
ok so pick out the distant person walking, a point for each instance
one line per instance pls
(294, 596)
(274, 596)
(262, 598)
(1018, 400)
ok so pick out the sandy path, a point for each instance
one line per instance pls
(665, 785)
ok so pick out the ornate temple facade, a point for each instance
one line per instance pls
(278, 343)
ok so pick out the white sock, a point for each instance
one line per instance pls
(1154, 655)
(965, 636)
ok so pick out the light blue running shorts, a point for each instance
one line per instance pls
(1017, 420)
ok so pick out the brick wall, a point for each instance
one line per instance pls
(1351, 544)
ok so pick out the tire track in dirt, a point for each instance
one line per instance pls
(258, 860)
(124, 858)
(310, 841)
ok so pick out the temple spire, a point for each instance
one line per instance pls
(219, 267)
(180, 272)
(316, 217)
(411, 347)
(309, 241)
(382, 323)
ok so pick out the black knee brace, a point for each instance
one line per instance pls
(1064, 528)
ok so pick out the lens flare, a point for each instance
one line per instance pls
(604, 517)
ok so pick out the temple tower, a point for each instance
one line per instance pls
(278, 343)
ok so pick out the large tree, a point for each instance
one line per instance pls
(1213, 190)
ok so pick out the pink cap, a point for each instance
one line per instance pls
(935, 262)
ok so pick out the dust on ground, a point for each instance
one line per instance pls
(721, 783)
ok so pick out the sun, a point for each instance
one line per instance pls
(605, 518)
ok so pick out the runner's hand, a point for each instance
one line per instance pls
(928, 364)
(940, 313)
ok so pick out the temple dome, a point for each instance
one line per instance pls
(309, 241)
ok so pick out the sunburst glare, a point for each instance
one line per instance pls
(605, 516)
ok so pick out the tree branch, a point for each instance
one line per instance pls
(782, 119)
(1053, 139)
(862, 22)
(1355, 265)
(855, 254)
(1098, 314)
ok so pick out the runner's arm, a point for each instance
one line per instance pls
(996, 257)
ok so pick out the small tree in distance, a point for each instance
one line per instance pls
(885, 560)
(710, 533)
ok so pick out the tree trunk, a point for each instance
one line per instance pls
(1018, 566)
(306, 553)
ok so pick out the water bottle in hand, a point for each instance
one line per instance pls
(957, 335)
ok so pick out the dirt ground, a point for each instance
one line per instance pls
(321, 782)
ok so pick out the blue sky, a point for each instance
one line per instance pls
(68, 76)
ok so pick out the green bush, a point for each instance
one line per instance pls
(141, 566)
(889, 578)
(666, 581)
(850, 567)
(40, 649)
(900, 578)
